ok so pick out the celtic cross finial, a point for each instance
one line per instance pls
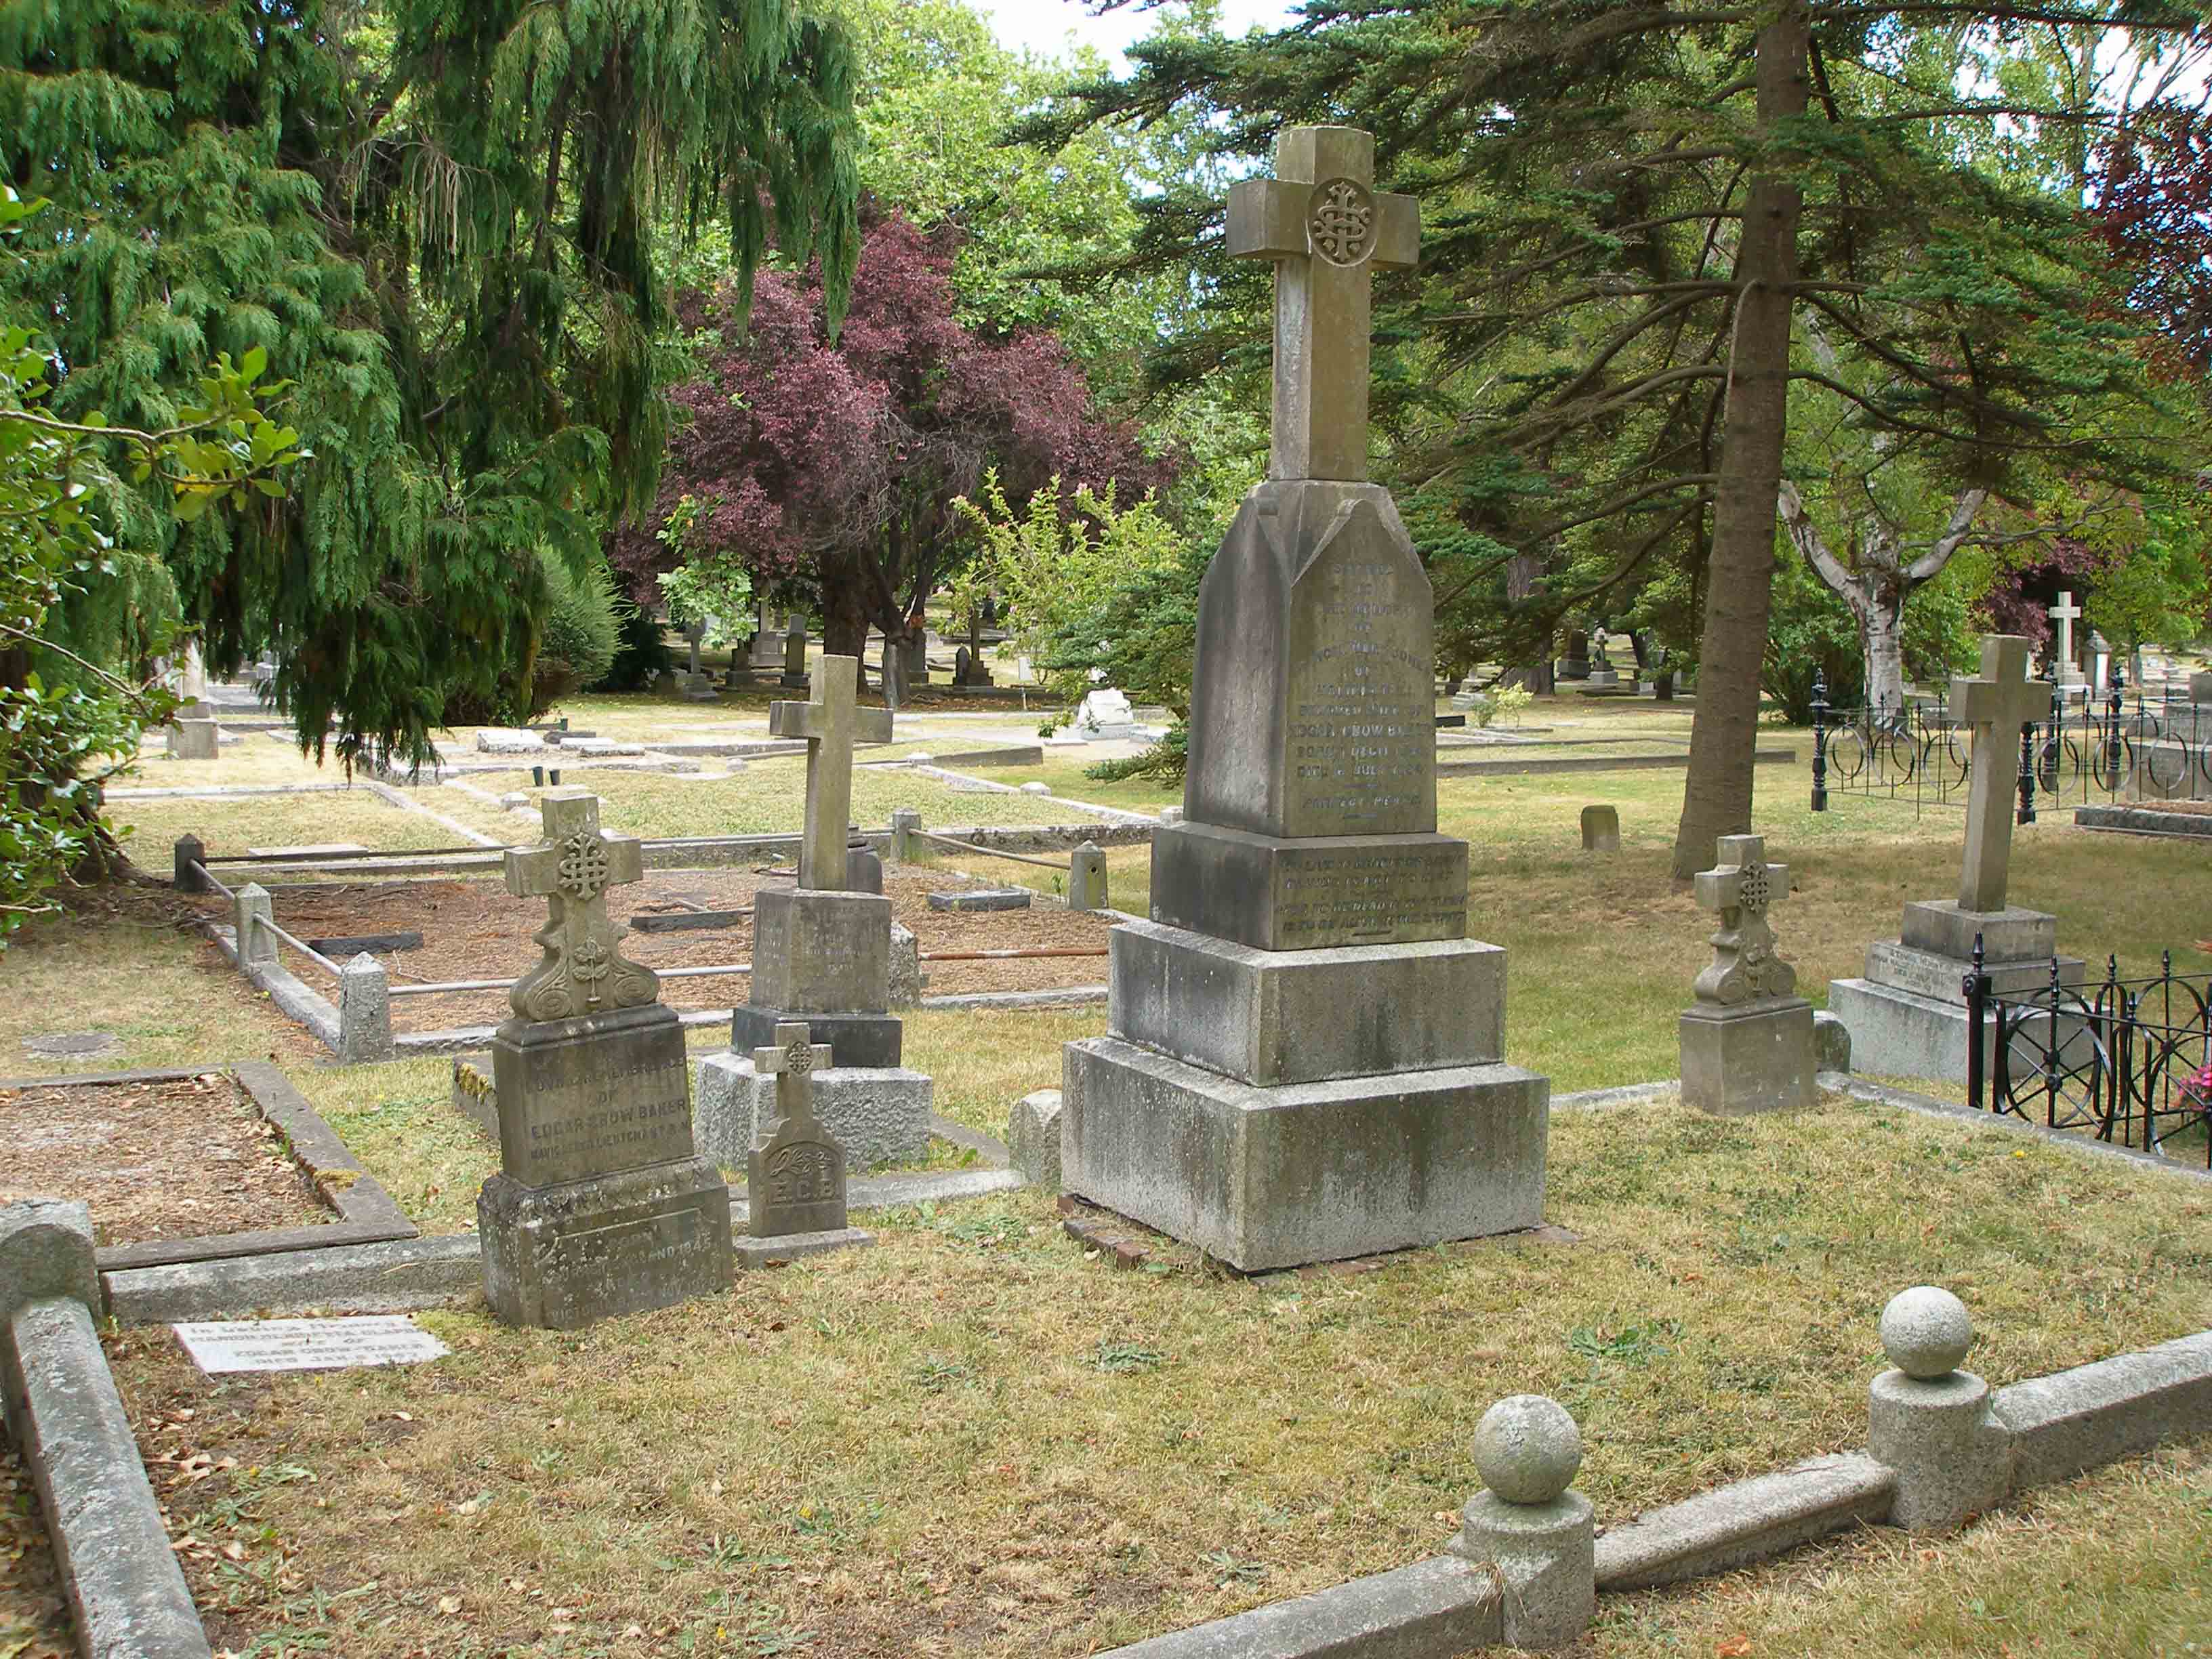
(583, 970)
(1742, 888)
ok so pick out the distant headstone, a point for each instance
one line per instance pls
(1603, 672)
(2200, 687)
(601, 1205)
(193, 735)
(2063, 615)
(968, 668)
(983, 898)
(795, 1176)
(1104, 715)
(794, 654)
(767, 648)
(218, 1346)
(1600, 829)
(1748, 1040)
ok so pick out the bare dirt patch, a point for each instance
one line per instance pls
(475, 930)
(154, 1160)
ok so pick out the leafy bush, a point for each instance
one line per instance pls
(581, 632)
(642, 655)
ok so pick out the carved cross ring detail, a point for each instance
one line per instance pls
(798, 1058)
(584, 864)
(1752, 890)
(1342, 222)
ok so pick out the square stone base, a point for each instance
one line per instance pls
(1277, 1177)
(775, 1251)
(879, 1114)
(1307, 892)
(1270, 1017)
(1897, 1033)
(1757, 1058)
(871, 1040)
(1925, 974)
(2009, 935)
(823, 951)
(561, 1257)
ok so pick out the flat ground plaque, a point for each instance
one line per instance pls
(306, 1345)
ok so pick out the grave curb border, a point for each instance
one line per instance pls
(2068, 1140)
(366, 1213)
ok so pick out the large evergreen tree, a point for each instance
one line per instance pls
(1628, 208)
(433, 216)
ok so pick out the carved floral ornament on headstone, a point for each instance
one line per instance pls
(1742, 888)
(583, 970)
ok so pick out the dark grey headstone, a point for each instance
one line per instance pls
(587, 1096)
(352, 944)
(983, 898)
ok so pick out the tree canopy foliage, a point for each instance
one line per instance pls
(435, 217)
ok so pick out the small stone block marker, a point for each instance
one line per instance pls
(983, 898)
(306, 1345)
(1747, 1041)
(602, 1205)
(795, 1176)
(1527, 1525)
(1601, 829)
(1931, 1422)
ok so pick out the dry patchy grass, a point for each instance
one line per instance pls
(976, 1438)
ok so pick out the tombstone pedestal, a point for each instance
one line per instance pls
(1297, 892)
(1757, 1057)
(602, 1205)
(823, 958)
(697, 688)
(879, 1114)
(194, 735)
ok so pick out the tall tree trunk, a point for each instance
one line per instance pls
(1739, 589)
(1881, 628)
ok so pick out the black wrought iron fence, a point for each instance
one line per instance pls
(2112, 745)
(2127, 1060)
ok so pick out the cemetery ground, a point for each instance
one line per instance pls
(980, 1437)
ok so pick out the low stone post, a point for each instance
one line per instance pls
(904, 822)
(1033, 1138)
(1932, 1423)
(1527, 1527)
(1086, 878)
(364, 1011)
(250, 907)
(191, 852)
(121, 1578)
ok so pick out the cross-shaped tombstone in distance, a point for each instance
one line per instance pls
(2066, 613)
(1995, 705)
(582, 971)
(1322, 222)
(1742, 887)
(830, 724)
(795, 1174)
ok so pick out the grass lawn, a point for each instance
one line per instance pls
(977, 1439)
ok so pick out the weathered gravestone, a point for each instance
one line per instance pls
(1303, 1062)
(193, 734)
(696, 686)
(601, 1205)
(822, 956)
(1908, 1015)
(2063, 615)
(1603, 672)
(1747, 1042)
(1600, 829)
(795, 1171)
(794, 654)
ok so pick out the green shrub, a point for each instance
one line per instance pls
(580, 632)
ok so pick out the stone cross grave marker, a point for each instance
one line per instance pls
(583, 971)
(1742, 888)
(1995, 705)
(1322, 222)
(796, 1173)
(2066, 613)
(830, 724)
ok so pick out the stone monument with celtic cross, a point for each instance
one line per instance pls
(822, 956)
(583, 970)
(1748, 1040)
(1908, 1016)
(602, 1205)
(1304, 1056)
(795, 1184)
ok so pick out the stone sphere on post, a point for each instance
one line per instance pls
(1527, 1449)
(1926, 1332)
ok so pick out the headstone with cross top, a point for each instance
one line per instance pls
(1329, 230)
(2066, 613)
(830, 724)
(795, 1172)
(582, 972)
(1742, 887)
(1995, 705)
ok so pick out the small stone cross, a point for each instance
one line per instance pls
(1997, 706)
(1322, 222)
(1742, 888)
(795, 1174)
(830, 724)
(582, 971)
